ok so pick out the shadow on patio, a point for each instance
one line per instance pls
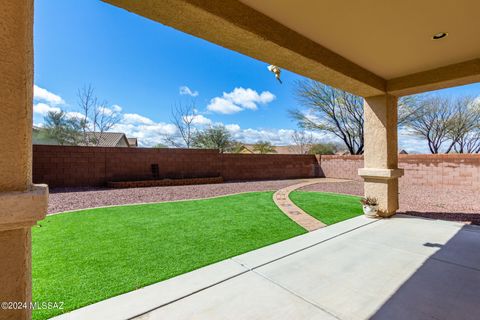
(446, 286)
(473, 218)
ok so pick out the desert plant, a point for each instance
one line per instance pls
(369, 201)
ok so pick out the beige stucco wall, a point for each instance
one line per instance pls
(21, 204)
(16, 90)
(381, 158)
(15, 264)
(381, 132)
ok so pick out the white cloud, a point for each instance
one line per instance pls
(248, 98)
(410, 143)
(133, 118)
(109, 111)
(43, 108)
(146, 130)
(184, 90)
(476, 101)
(147, 134)
(116, 108)
(44, 95)
(239, 99)
(224, 106)
(279, 137)
(233, 128)
(200, 120)
(75, 114)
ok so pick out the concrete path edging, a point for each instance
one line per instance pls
(283, 202)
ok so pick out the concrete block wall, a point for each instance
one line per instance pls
(268, 166)
(442, 170)
(65, 166)
(461, 170)
(341, 167)
(69, 166)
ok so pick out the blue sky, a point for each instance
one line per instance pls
(140, 66)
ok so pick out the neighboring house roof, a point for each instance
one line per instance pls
(133, 142)
(108, 139)
(246, 149)
(105, 139)
(403, 152)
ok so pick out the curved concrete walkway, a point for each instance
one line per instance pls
(282, 200)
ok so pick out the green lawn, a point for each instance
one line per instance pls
(86, 256)
(329, 208)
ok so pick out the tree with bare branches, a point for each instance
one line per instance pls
(434, 124)
(466, 126)
(338, 112)
(302, 141)
(96, 118)
(183, 118)
(447, 124)
(331, 110)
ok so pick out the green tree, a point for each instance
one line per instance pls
(323, 148)
(236, 147)
(264, 147)
(160, 145)
(215, 137)
(65, 130)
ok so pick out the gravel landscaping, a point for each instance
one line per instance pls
(66, 199)
(455, 203)
(459, 204)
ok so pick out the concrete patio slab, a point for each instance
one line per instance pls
(400, 263)
(399, 268)
(257, 258)
(136, 302)
(247, 296)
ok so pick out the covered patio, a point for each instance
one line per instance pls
(401, 268)
(376, 49)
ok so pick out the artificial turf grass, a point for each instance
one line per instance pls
(329, 208)
(90, 255)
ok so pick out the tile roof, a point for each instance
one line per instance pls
(133, 142)
(107, 139)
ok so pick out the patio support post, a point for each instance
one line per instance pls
(380, 171)
(21, 202)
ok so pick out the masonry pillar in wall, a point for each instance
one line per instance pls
(21, 203)
(380, 172)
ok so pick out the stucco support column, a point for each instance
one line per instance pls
(21, 203)
(380, 171)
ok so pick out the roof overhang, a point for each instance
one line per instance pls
(396, 54)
